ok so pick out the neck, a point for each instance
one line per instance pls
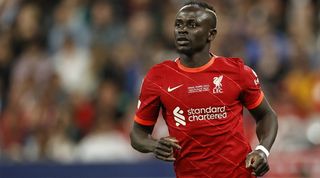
(196, 59)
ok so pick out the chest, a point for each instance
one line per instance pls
(200, 89)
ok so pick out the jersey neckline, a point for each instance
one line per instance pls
(196, 69)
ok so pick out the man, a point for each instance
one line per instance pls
(202, 97)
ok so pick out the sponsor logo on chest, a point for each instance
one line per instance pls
(198, 114)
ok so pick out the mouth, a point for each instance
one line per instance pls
(182, 40)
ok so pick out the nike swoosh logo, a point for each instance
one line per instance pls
(171, 89)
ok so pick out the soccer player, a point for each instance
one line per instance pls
(201, 97)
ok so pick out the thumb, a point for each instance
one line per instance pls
(171, 139)
(249, 161)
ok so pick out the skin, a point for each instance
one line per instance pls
(195, 25)
(194, 31)
(267, 127)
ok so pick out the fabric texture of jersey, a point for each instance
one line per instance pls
(203, 109)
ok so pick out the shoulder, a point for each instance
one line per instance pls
(157, 71)
(229, 64)
(230, 61)
(159, 68)
(164, 64)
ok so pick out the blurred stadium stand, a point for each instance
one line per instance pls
(70, 73)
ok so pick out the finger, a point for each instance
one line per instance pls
(261, 167)
(170, 159)
(264, 171)
(171, 139)
(162, 153)
(175, 145)
(170, 143)
(164, 147)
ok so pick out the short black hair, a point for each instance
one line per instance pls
(204, 6)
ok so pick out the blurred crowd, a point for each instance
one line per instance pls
(70, 70)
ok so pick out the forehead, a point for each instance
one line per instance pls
(192, 12)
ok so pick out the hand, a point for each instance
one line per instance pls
(257, 160)
(164, 148)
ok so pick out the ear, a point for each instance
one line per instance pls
(212, 34)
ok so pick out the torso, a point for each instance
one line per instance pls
(203, 110)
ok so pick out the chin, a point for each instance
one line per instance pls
(184, 50)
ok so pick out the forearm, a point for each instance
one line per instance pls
(266, 130)
(141, 139)
(144, 144)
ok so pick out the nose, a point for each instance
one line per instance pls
(182, 30)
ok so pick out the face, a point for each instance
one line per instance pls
(193, 29)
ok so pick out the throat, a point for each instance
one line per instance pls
(195, 61)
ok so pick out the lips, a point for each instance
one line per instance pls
(182, 40)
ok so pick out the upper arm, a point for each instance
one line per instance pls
(149, 101)
(251, 94)
(262, 110)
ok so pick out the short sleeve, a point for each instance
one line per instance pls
(149, 101)
(251, 95)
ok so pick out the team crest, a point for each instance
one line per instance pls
(217, 81)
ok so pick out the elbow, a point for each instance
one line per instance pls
(274, 120)
(274, 116)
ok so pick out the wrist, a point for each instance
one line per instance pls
(263, 149)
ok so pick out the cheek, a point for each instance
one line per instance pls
(175, 32)
(200, 38)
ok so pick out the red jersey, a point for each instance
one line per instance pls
(203, 109)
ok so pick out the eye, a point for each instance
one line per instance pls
(192, 24)
(178, 24)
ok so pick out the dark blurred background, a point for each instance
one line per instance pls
(70, 73)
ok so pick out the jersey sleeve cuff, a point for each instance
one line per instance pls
(144, 122)
(257, 102)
